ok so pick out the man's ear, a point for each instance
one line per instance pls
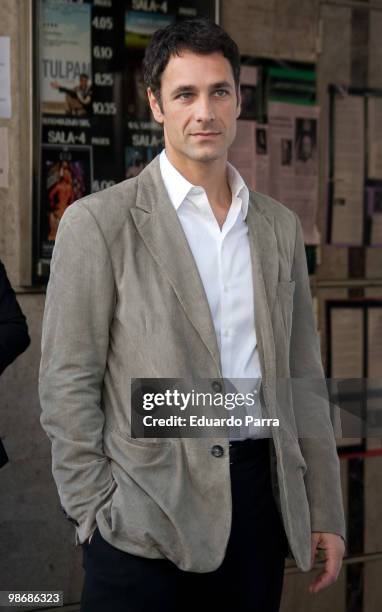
(238, 109)
(155, 106)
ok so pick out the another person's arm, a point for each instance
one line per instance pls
(14, 337)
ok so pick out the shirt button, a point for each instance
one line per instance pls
(226, 333)
(225, 288)
(217, 450)
(216, 385)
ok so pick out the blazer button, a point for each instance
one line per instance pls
(217, 450)
(216, 385)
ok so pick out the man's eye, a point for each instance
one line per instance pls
(221, 93)
(184, 96)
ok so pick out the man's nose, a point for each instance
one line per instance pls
(204, 109)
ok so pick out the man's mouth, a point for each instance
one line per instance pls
(206, 134)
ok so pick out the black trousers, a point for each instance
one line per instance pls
(250, 578)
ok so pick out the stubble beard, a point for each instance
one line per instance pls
(205, 156)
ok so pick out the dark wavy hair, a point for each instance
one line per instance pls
(198, 35)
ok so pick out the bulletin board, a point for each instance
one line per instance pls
(354, 216)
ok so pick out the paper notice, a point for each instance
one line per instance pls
(262, 171)
(4, 157)
(242, 152)
(293, 134)
(347, 342)
(250, 154)
(349, 155)
(5, 78)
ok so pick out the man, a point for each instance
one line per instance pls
(183, 273)
(61, 195)
(77, 100)
(14, 337)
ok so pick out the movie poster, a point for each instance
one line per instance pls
(140, 26)
(143, 147)
(65, 177)
(65, 58)
(144, 137)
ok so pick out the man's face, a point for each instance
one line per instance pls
(199, 106)
(83, 82)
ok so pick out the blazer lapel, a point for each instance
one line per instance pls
(264, 249)
(159, 227)
(264, 256)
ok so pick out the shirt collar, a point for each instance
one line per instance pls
(178, 187)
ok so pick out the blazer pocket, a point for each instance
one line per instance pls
(138, 442)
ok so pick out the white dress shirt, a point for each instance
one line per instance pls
(223, 259)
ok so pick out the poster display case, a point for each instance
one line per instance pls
(92, 123)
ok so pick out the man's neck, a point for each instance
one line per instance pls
(212, 176)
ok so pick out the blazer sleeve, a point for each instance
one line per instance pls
(312, 406)
(14, 337)
(79, 307)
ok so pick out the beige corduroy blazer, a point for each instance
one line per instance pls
(125, 300)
